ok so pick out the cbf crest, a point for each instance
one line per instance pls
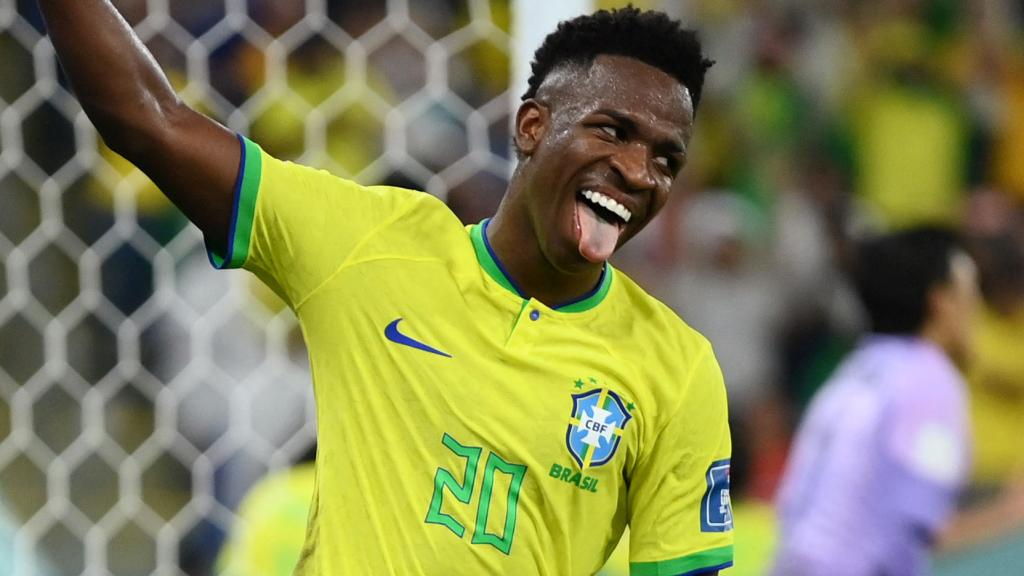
(595, 427)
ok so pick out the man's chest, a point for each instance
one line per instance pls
(414, 347)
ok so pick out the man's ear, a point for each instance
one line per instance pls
(532, 120)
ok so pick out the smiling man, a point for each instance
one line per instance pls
(494, 399)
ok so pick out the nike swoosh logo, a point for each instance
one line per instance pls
(392, 333)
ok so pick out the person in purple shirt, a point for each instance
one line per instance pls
(879, 460)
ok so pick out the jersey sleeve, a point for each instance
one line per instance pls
(927, 447)
(679, 510)
(294, 226)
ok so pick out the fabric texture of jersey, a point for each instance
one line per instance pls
(877, 464)
(464, 429)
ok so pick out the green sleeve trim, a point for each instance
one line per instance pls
(708, 560)
(243, 211)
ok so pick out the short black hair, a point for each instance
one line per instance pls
(648, 36)
(1000, 259)
(895, 273)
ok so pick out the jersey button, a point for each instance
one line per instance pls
(534, 315)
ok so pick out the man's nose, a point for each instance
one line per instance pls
(632, 162)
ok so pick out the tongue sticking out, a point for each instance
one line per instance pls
(598, 236)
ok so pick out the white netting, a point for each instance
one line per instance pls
(141, 392)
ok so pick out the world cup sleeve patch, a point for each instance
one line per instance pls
(715, 507)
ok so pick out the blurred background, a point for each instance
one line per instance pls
(143, 395)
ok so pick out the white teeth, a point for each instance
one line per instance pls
(606, 202)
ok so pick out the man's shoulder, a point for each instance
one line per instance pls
(418, 221)
(418, 206)
(654, 332)
(896, 376)
(653, 318)
(918, 371)
(426, 221)
(290, 177)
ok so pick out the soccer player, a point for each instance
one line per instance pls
(492, 399)
(879, 460)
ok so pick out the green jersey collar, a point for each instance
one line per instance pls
(489, 262)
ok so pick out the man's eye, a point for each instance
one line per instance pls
(664, 162)
(611, 131)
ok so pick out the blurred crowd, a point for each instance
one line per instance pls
(822, 120)
(830, 121)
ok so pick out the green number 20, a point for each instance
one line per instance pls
(463, 492)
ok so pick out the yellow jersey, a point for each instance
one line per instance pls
(465, 429)
(995, 379)
(272, 517)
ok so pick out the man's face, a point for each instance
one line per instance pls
(601, 148)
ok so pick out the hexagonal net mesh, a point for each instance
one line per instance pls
(141, 392)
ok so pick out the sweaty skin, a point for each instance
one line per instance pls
(619, 127)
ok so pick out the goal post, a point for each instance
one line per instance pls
(533, 20)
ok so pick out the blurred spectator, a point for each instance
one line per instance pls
(996, 371)
(884, 450)
(768, 112)
(725, 291)
(821, 314)
(908, 124)
(271, 529)
(275, 392)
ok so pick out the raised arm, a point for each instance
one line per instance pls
(193, 159)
